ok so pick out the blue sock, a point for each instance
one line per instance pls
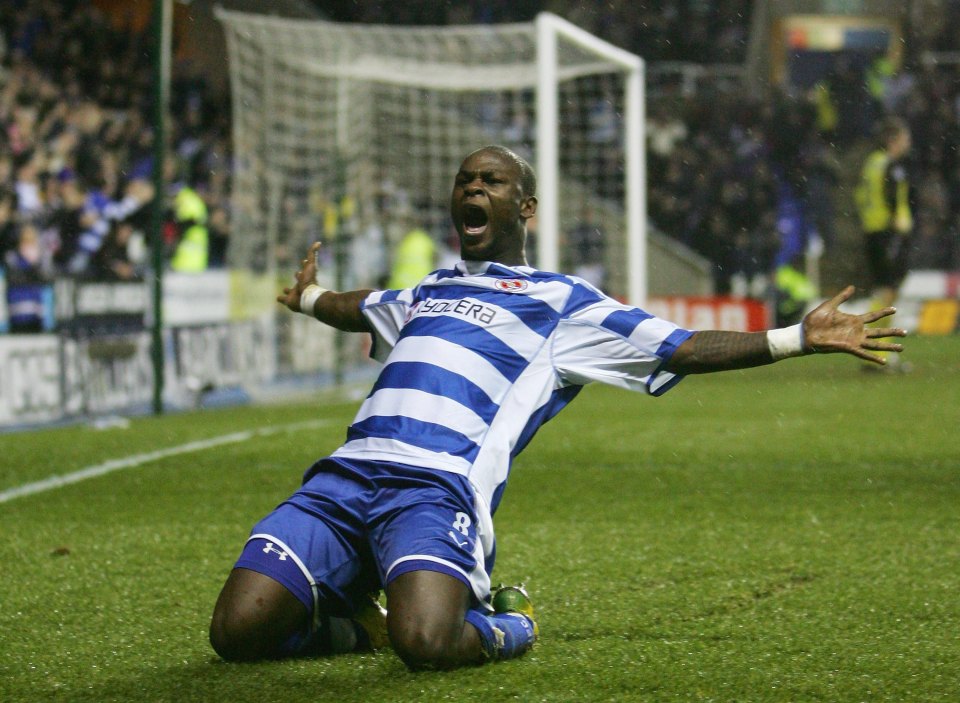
(503, 635)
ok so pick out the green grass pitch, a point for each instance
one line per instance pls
(790, 533)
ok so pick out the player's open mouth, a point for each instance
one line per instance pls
(474, 220)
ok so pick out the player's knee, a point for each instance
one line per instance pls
(224, 643)
(421, 646)
(228, 640)
(255, 618)
(234, 637)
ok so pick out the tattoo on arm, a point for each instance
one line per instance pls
(342, 310)
(717, 350)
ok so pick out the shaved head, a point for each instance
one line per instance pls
(528, 179)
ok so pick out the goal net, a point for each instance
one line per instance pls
(353, 133)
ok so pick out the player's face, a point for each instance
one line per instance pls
(490, 210)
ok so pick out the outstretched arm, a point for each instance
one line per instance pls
(340, 310)
(824, 330)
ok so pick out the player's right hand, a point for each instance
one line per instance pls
(306, 275)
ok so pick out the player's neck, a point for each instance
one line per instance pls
(506, 260)
(520, 260)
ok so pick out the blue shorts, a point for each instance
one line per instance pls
(353, 527)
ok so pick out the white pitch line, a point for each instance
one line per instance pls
(107, 467)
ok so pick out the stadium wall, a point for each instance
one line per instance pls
(220, 332)
(929, 302)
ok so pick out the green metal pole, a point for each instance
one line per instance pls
(161, 83)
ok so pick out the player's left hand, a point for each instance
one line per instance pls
(827, 329)
(306, 275)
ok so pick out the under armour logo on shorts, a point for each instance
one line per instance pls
(270, 548)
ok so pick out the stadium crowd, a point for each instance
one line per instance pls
(727, 170)
(670, 30)
(76, 155)
(736, 177)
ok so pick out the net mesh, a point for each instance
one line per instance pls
(358, 130)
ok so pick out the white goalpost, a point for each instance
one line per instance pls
(550, 29)
(355, 131)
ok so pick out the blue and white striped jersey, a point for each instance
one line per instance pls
(478, 357)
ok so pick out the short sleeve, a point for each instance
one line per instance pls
(618, 345)
(387, 311)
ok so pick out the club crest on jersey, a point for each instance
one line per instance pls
(511, 285)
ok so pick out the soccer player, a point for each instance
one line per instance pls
(476, 358)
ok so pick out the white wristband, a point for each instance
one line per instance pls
(308, 298)
(785, 342)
